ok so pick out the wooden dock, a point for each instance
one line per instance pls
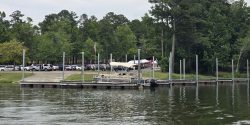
(124, 85)
(79, 85)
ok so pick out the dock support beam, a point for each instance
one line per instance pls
(63, 66)
(111, 67)
(126, 58)
(23, 64)
(98, 63)
(180, 69)
(82, 75)
(197, 70)
(247, 71)
(170, 69)
(153, 67)
(184, 69)
(217, 72)
(139, 66)
(134, 59)
(232, 70)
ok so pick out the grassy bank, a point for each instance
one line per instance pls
(222, 75)
(77, 77)
(12, 77)
(162, 75)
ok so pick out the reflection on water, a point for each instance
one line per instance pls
(218, 104)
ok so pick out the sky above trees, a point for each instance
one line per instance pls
(37, 9)
(210, 29)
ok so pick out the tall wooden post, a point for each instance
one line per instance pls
(63, 68)
(247, 71)
(153, 67)
(197, 70)
(23, 64)
(184, 69)
(232, 70)
(169, 67)
(126, 58)
(111, 67)
(98, 63)
(82, 74)
(139, 67)
(217, 72)
(180, 69)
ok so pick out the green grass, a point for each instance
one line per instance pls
(12, 77)
(160, 75)
(77, 77)
(164, 75)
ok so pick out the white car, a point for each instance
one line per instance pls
(55, 67)
(26, 68)
(9, 68)
(78, 67)
(47, 67)
(2, 68)
(68, 67)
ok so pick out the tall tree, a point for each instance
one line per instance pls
(23, 31)
(12, 51)
(64, 22)
(4, 28)
(108, 25)
(51, 45)
(124, 42)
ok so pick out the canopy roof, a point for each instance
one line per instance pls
(141, 61)
(124, 64)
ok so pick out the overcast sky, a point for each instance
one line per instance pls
(37, 9)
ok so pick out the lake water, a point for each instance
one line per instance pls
(223, 104)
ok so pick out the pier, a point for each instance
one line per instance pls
(124, 85)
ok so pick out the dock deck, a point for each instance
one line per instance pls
(123, 85)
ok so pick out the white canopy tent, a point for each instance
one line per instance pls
(141, 61)
(124, 64)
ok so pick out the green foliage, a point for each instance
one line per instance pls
(11, 51)
(89, 48)
(51, 45)
(164, 62)
(124, 43)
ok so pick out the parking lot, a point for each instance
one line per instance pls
(50, 67)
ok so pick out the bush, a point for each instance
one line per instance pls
(164, 64)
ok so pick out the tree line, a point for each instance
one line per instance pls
(210, 29)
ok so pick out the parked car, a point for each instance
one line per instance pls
(78, 67)
(55, 67)
(68, 67)
(73, 67)
(90, 67)
(25, 68)
(2, 68)
(17, 68)
(36, 67)
(103, 67)
(46, 67)
(9, 68)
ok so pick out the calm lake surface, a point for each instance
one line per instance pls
(189, 105)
